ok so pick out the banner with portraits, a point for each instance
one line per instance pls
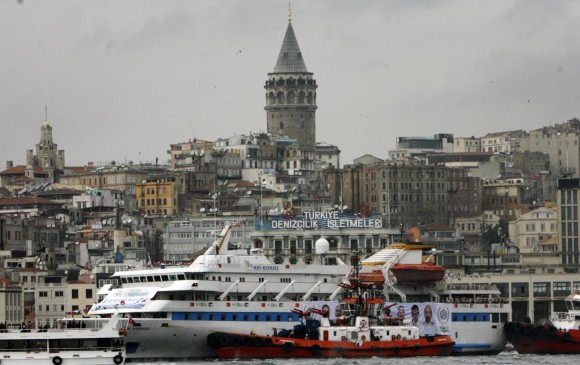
(431, 318)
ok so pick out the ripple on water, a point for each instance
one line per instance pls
(505, 358)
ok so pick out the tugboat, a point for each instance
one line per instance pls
(358, 333)
(560, 335)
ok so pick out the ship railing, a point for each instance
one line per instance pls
(466, 287)
(475, 300)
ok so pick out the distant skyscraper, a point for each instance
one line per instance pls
(291, 95)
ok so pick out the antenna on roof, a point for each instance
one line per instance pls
(46, 113)
(289, 13)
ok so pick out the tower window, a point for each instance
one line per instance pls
(301, 97)
(285, 56)
(281, 125)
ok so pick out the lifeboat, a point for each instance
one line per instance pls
(426, 272)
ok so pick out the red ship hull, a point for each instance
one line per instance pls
(417, 273)
(230, 346)
(532, 339)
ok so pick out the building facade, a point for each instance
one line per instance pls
(567, 201)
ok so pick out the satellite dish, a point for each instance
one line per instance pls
(92, 276)
(202, 210)
(249, 192)
(345, 207)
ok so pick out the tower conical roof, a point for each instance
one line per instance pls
(290, 58)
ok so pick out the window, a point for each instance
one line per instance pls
(541, 289)
(75, 294)
(88, 293)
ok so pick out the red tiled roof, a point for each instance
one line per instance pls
(240, 183)
(30, 269)
(78, 169)
(26, 201)
(8, 282)
(436, 227)
(59, 191)
(21, 169)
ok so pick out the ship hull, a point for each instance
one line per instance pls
(162, 339)
(535, 339)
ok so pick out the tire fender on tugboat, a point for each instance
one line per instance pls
(57, 360)
(288, 346)
(315, 349)
(212, 340)
(566, 336)
(224, 339)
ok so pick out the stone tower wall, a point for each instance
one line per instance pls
(291, 106)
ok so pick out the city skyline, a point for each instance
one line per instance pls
(126, 80)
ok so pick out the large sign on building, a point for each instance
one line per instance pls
(324, 220)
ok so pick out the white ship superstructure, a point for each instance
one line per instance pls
(228, 287)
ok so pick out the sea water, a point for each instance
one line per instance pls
(502, 358)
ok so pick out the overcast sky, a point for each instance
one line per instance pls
(125, 79)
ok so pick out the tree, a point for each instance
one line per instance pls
(494, 234)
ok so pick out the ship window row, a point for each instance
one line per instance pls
(152, 278)
(229, 316)
(59, 344)
(470, 317)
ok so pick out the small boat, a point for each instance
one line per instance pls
(72, 344)
(358, 333)
(426, 272)
(559, 335)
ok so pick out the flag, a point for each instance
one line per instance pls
(131, 321)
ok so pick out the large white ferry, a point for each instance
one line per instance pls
(473, 314)
(230, 288)
(173, 309)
